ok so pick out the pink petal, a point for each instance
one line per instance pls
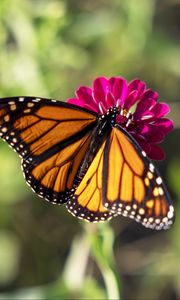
(142, 143)
(100, 88)
(145, 146)
(131, 99)
(80, 103)
(153, 151)
(119, 88)
(110, 100)
(76, 101)
(102, 108)
(160, 109)
(166, 125)
(137, 85)
(120, 119)
(151, 133)
(156, 153)
(85, 94)
(91, 107)
(143, 109)
(112, 81)
(149, 94)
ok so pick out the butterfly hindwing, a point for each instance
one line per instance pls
(132, 186)
(86, 202)
(53, 178)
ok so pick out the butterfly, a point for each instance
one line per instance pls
(73, 156)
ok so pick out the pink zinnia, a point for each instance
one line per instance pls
(146, 123)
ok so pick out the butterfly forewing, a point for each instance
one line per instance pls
(51, 137)
(34, 126)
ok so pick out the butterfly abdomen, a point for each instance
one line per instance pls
(100, 133)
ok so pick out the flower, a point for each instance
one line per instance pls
(148, 125)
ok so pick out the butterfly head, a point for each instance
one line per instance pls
(116, 114)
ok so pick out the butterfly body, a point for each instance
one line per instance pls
(87, 160)
(105, 123)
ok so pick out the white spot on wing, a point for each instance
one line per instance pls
(144, 153)
(151, 167)
(159, 180)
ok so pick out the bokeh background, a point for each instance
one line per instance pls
(48, 49)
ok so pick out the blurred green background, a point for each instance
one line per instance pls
(48, 49)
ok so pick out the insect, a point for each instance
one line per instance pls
(73, 156)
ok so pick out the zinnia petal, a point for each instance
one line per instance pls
(166, 125)
(119, 89)
(81, 103)
(149, 94)
(151, 133)
(110, 100)
(131, 99)
(143, 109)
(160, 109)
(100, 87)
(76, 101)
(137, 85)
(85, 94)
(143, 144)
(156, 152)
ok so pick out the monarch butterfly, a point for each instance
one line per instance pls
(89, 162)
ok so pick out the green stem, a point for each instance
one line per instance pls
(101, 243)
(97, 242)
(75, 267)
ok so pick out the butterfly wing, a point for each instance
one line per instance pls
(86, 202)
(51, 137)
(131, 184)
(53, 178)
